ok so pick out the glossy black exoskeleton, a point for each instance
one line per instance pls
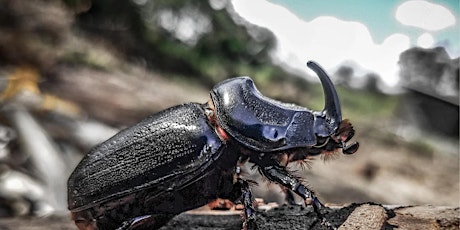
(186, 156)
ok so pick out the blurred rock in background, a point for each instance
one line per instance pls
(431, 78)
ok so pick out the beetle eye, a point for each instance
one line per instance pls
(272, 133)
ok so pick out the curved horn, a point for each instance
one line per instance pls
(332, 103)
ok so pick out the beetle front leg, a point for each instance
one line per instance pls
(278, 174)
(242, 193)
(248, 202)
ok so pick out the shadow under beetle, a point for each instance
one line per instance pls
(186, 156)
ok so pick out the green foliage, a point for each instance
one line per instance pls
(137, 30)
(225, 50)
(367, 105)
(357, 105)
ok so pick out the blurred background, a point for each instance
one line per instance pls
(74, 72)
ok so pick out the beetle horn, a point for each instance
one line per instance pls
(332, 103)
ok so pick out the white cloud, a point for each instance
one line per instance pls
(425, 15)
(327, 40)
(425, 40)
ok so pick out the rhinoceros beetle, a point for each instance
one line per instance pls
(187, 156)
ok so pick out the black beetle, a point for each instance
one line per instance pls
(187, 156)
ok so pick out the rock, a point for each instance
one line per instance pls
(426, 217)
(366, 216)
(354, 216)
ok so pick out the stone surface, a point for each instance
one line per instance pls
(366, 216)
(354, 216)
(426, 217)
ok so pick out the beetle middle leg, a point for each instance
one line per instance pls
(277, 173)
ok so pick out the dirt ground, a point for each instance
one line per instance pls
(389, 174)
(283, 217)
(354, 216)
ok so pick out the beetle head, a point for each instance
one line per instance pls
(266, 125)
(332, 131)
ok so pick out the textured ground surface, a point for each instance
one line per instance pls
(355, 216)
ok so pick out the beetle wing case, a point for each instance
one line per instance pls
(165, 150)
(261, 123)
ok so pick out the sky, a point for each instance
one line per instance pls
(369, 35)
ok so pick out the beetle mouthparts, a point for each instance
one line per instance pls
(350, 149)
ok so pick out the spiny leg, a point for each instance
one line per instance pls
(278, 174)
(242, 193)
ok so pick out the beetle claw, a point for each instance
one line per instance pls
(249, 212)
(350, 149)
